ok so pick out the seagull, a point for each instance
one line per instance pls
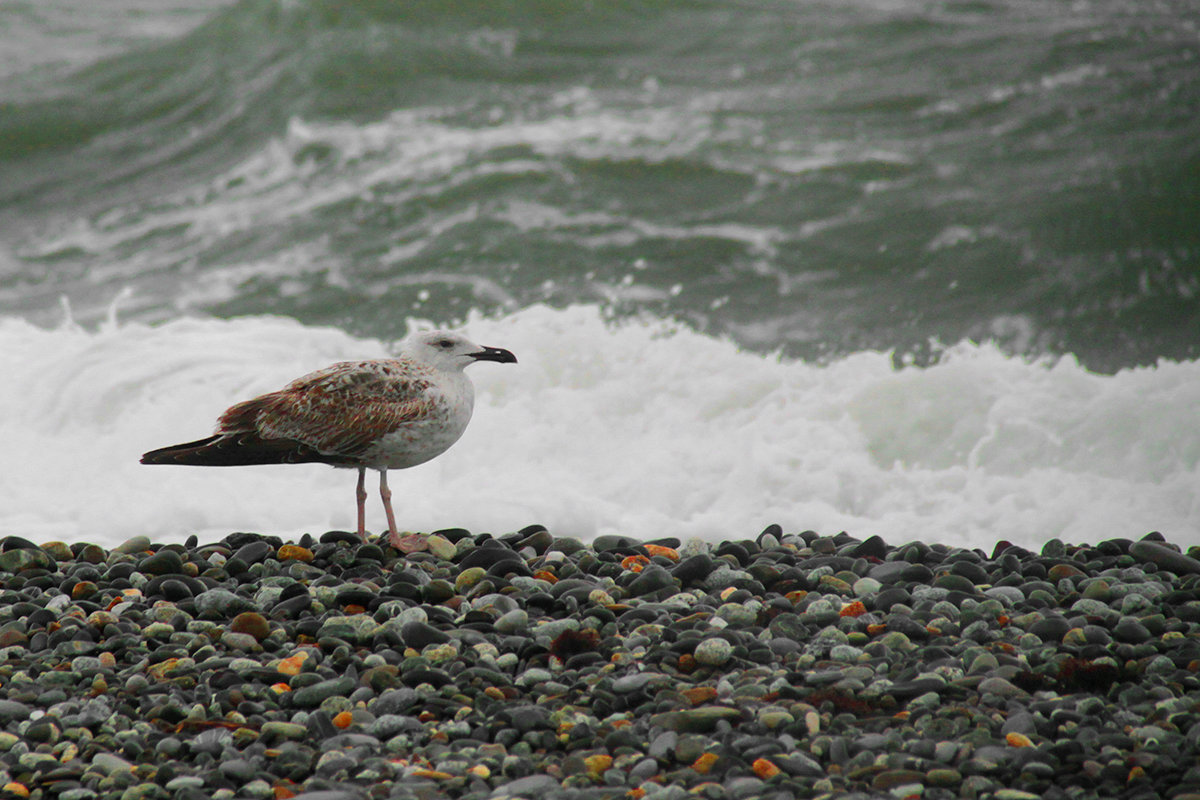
(383, 414)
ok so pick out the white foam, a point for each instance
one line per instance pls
(640, 428)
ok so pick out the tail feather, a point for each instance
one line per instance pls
(236, 450)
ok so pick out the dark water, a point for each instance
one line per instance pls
(817, 177)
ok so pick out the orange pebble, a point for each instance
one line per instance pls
(494, 693)
(699, 694)
(659, 550)
(636, 794)
(705, 763)
(597, 765)
(292, 664)
(125, 596)
(426, 716)
(18, 789)
(283, 793)
(687, 663)
(764, 769)
(855, 609)
(280, 688)
(876, 628)
(796, 596)
(634, 563)
(1136, 774)
(353, 608)
(294, 552)
(546, 575)
(1018, 740)
(432, 774)
(343, 719)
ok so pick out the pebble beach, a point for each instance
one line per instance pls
(529, 665)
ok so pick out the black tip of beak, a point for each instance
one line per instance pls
(495, 354)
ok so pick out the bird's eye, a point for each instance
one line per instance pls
(445, 344)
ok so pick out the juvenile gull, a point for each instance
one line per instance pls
(386, 414)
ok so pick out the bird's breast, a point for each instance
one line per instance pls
(417, 440)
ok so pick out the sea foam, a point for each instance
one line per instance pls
(641, 427)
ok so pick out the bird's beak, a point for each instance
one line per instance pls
(494, 354)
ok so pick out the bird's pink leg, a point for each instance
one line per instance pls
(386, 494)
(405, 544)
(361, 494)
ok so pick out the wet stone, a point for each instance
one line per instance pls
(419, 635)
(651, 579)
(164, 562)
(1164, 557)
(251, 623)
(515, 621)
(1130, 631)
(713, 652)
(891, 572)
(222, 603)
(696, 720)
(743, 669)
(311, 696)
(609, 543)
(1050, 628)
(639, 681)
(175, 589)
(22, 559)
(134, 544)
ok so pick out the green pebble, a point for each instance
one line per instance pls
(468, 578)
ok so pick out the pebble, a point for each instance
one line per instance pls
(525, 664)
(713, 652)
(1165, 557)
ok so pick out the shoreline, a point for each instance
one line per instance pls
(528, 665)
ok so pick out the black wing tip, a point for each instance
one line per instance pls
(242, 450)
(177, 453)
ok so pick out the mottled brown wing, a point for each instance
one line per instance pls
(340, 410)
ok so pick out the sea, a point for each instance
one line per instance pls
(927, 270)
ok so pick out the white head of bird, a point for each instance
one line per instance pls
(448, 351)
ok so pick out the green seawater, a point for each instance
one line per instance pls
(819, 178)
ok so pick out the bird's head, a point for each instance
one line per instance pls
(448, 350)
